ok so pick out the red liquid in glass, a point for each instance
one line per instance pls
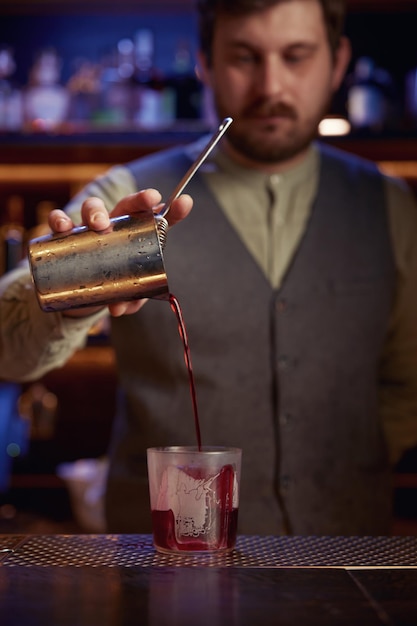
(221, 531)
(164, 535)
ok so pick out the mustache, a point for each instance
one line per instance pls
(270, 109)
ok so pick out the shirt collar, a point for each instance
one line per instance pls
(291, 177)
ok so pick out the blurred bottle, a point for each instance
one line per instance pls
(11, 106)
(369, 97)
(46, 100)
(121, 95)
(84, 91)
(188, 87)
(12, 234)
(116, 69)
(152, 96)
(39, 406)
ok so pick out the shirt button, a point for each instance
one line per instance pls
(275, 179)
(285, 419)
(285, 482)
(283, 362)
(281, 305)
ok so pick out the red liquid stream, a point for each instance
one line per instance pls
(175, 306)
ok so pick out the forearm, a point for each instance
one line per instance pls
(33, 342)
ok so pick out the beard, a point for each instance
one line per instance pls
(264, 143)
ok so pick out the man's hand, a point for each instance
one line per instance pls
(95, 216)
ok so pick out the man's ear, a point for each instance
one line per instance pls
(202, 69)
(342, 58)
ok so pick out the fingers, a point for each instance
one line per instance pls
(94, 214)
(126, 308)
(180, 208)
(145, 199)
(59, 221)
(151, 199)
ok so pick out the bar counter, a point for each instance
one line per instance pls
(81, 580)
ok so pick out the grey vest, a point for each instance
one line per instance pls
(290, 376)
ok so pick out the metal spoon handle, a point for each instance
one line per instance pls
(202, 157)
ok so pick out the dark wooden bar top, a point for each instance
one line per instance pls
(82, 580)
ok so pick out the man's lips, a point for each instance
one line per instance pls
(271, 118)
(268, 122)
(277, 112)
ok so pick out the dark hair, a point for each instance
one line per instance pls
(208, 10)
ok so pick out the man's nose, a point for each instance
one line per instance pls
(271, 77)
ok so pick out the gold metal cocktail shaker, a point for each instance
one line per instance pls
(89, 268)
